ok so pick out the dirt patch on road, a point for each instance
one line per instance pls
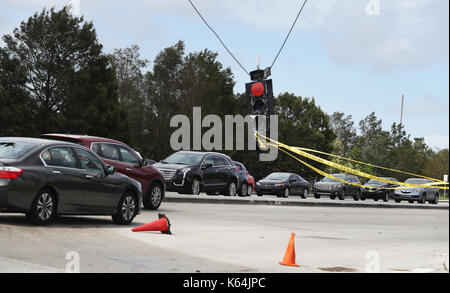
(338, 270)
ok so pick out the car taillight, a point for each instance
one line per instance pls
(237, 168)
(10, 172)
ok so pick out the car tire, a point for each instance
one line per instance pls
(342, 195)
(259, 194)
(250, 190)
(194, 187)
(43, 208)
(398, 201)
(375, 198)
(305, 193)
(435, 199)
(231, 189)
(154, 197)
(243, 190)
(386, 197)
(363, 198)
(410, 201)
(357, 196)
(333, 197)
(423, 199)
(316, 196)
(126, 210)
(286, 192)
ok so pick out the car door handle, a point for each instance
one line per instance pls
(57, 172)
(89, 176)
(128, 169)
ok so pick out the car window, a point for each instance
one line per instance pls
(88, 161)
(108, 151)
(128, 156)
(219, 161)
(209, 161)
(59, 157)
(293, 178)
(14, 150)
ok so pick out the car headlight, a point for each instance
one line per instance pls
(184, 171)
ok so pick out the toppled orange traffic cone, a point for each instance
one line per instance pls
(162, 225)
(289, 256)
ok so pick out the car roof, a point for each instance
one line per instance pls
(85, 138)
(203, 153)
(37, 141)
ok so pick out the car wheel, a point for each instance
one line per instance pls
(386, 197)
(195, 187)
(410, 201)
(259, 194)
(305, 193)
(43, 209)
(243, 190)
(127, 209)
(316, 196)
(154, 197)
(363, 198)
(423, 199)
(435, 199)
(357, 196)
(398, 201)
(286, 192)
(333, 197)
(231, 189)
(342, 195)
(375, 198)
(250, 190)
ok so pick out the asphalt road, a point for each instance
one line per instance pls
(235, 238)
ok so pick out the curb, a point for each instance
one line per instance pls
(297, 202)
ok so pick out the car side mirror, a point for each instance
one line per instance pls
(144, 162)
(204, 167)
(110, 170)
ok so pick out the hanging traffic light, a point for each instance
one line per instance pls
(260, 97)
(260, 100)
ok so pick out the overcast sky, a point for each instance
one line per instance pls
(350, 55)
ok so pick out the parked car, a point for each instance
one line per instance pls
(126, 161)
(282, 185)
(378, 189)
(191, 172)
(245, 188)
(251, 184)
(45, 178)
(332, 187)
(419, 194)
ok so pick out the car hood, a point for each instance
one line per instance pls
(376, 185)
(170, 166)
(271, 182)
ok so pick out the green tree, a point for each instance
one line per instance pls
(67, 76)
(16, 107)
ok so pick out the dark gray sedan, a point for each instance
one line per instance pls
(45, 178)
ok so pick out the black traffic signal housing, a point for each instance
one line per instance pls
(260, 101)
(260, 97)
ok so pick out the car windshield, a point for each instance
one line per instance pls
(327, 179)
(14, 150)
(278, 176)
(184, 159)
(373, 181)
(417, 181)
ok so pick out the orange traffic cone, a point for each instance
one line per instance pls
(289, 256)
(162, 225)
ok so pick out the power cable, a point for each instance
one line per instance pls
(220, 40)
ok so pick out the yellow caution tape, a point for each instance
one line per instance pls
(302, 153)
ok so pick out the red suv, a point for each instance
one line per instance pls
(126, 161)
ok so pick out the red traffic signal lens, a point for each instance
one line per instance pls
(257, 89)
